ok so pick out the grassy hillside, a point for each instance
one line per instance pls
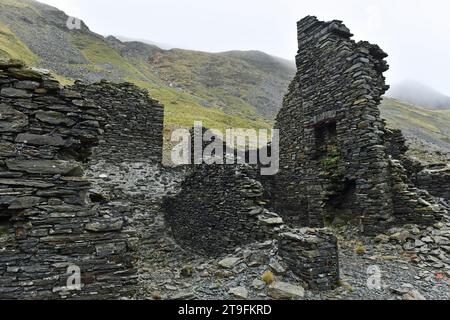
(12, 47)
(224, 90)
(428, 131)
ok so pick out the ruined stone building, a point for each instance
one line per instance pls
(81, 181)
(335, 162)
(50, 139)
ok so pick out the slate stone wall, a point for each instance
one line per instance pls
(219, 208)
(312, 254)
(436, 180)
(334, 158)
(49, 218)
(133, 122)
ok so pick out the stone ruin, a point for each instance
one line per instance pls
(81, 182)
(50, 139)
(337, 162)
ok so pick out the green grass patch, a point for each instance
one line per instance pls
(12, 47)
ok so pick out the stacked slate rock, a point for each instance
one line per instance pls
(334, 159)
(395, 143)
(47, 134)
(436, 180)
(219, 208)
(134, 122)
(312, 254)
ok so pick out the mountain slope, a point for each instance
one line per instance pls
(225, 89)
(241, 89)
(417, 93)
(428, 131)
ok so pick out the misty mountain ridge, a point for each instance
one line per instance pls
(240, 89)
(419, 94)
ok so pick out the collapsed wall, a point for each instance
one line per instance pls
(125, 168)
(133, 122)
(51, 221)
(334, 159)
(436, 180)
(219, 208)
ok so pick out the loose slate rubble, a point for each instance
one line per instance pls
(427, 246)
(286, 291)
(334, 148)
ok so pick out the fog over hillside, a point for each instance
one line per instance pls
(419, 94)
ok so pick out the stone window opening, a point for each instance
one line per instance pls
(5, 223)
(326, 139)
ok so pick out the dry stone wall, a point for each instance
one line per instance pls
(312, 254)
(133, 122)
(334, 158)
(219, 208)
(50, 220)
(436, 180)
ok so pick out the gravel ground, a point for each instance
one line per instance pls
(178, 274)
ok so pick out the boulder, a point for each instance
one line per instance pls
(239, 292)
(286, 291)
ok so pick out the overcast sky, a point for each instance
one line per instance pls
(415, 33)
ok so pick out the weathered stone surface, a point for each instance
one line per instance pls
(414, 295)
(7, 149)
(229, 263)
(15, 93)
(25, 73)
(335, 152)
(228, 215)
(26, 85)
(26, 183)
(52, 223)
(24, 203)
(41, 140)
(258, 284)
(286, 291)
(105, 226)
(312, 254)
(69, 168)
(239, 292)
(54, 118)
(11, 120)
